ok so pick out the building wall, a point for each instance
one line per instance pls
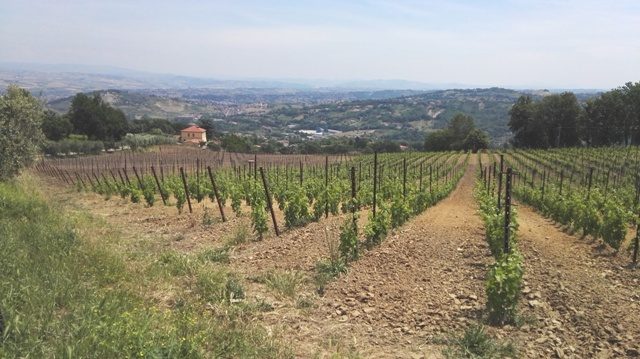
(188, 136)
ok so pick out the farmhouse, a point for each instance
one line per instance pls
(193, 134)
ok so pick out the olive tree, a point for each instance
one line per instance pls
(20, 130)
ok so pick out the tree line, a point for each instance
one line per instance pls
(559, 120)
(460, 134)
(91, 116)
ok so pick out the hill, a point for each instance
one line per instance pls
(403, 118)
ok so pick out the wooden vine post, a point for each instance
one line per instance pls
(430, 179)
(590, 181)
(420, 185)
(269, 204)
(215, 192)
(155, 176)
(135, 171)
(404, 177)
(500, 180)
(326, 186)
(636, 243)
(301, 173)
(375, 181)
(544, 180)
(507, 210)
(353, 194)
(186, 189)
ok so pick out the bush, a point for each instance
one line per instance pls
(377, 227)
(476, 343)
(296, 211)
(21, 134)
(259, 217)
(503, 288)
(349, 238)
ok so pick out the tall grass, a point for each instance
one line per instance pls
(63, 294)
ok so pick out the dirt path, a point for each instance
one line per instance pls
(584, 300)
(424, 282)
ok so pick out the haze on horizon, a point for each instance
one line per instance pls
(508, 43)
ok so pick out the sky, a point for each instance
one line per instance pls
(508, 43)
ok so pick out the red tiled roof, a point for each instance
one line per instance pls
(194, 129)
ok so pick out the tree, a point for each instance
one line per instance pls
(631, 124)
(476, 140)
(235, 143)
(558, 115)
(56, 127)
(20, 131)
(208, 125)
(97, 119)
(459, 127)
(147, 124)
(460, 133)
(604, 119)
(522, 124)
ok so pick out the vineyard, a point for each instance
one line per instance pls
(397, 252)
(391, 187)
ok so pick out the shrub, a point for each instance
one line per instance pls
(503, 288)
(296, 211)
(349, 238)
(377, 227)
(20, 120)
(259, 217)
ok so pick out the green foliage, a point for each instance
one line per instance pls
(259, 219)
(459, 134)
(150, 125)
(235, 143)
(476, 140)
(400, 211)
(68, 146)
(296, 210)
(68, 295)
(20, 135)
(475, 343)
(377, 227)
(285, 283)
(503, 288)
(236, 199)
(135, 194)
(615, 223)
(240, 235)
(558, 120)
(56, 127)
(148, 190)
(176, 187)
(97, 119)
(143, 140)
(327, 270)
(215, 255)
(349, 238)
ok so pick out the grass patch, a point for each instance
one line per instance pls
(215, 255)
(284, 283)
(70, 288)
(326, 271)
(337, 348)
(240, 235)
(475, 343)
(216, 285)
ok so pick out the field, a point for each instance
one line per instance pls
(189, 235)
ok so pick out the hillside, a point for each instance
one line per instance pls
(406, 118)
(280, 113)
